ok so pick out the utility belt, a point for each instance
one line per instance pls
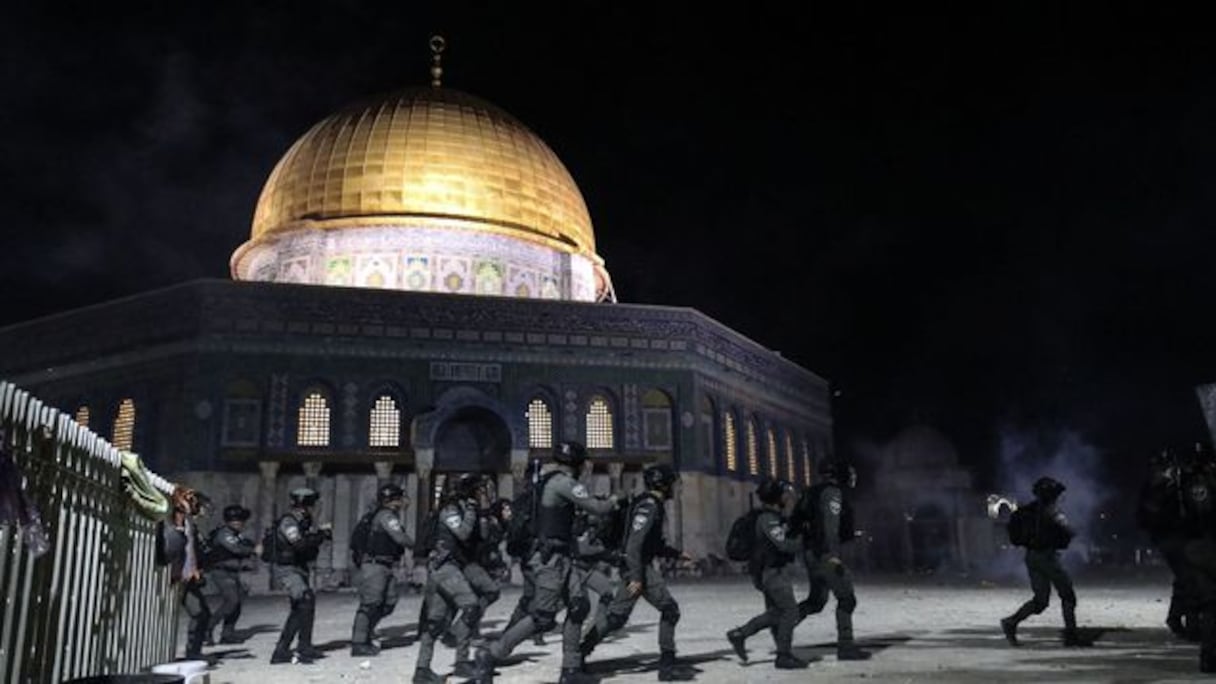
(386, 561)
(548, 548)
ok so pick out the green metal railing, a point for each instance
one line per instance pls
(95, 602)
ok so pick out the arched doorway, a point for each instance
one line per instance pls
(473, 439)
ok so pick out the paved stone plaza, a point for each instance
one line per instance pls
(920, 631)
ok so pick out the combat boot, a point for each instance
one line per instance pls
(367, 649)
(311, 652)
(788, 661)
(281, 655)
(1010, 628)
(1207, 661)
(574, 675)
(670, 670)
(424, 675)
(738, 642)
(850, 651)
(1073, 639)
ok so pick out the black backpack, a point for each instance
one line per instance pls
(360, 536)
(426, 535)
(519, 529)
(1019, 527)
(741, 541)
(269, 541)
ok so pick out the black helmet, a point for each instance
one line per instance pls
(770, 490)
(837, 470)
(570, 453)
(388, 492)
(304, 496)
(465, 486)
(660, 477)
(1047, 489)
(236, 512)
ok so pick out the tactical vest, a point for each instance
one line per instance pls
(1198, 491)
(813, 518)
(653, 543)
(284, 554)
(555, 522)
(220, 557)
(381, 545)
(769, 555)
(1045, 533)
(447, 544)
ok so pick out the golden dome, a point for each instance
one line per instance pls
(419, 153)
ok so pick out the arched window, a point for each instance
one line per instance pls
(774, 469)
(313, 430)
(791, 472)
(806, 463)
(124, 425)
(599, 424)
(753, 449)
(656, 420)
(82, 416)
(385, 423)
(540, 424)
(731, 441)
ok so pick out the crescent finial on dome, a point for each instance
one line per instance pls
(437, 46)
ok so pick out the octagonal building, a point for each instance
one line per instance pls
(421, 295)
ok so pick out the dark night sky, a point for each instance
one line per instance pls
(981, 222)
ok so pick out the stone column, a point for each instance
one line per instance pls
(266, 509)
(424, 459)
(519, 465)
(614, 475)
(384, 472)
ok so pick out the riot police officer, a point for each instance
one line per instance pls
(558, 582)
(1199, 497)
(1161, 514)
(521, 542)
(375, 579)
(644, 542)
(231, 552)
(296, 542)
(447, 588)
(1049, 533)
(770, 567)
(827, 521)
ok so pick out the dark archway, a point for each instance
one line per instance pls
(931, 539)
(473, 439)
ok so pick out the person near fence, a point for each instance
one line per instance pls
(180, 550)
(295, 543)
(376, 579)
(229, 553)
(644, 542)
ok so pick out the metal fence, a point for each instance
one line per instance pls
(95, 602)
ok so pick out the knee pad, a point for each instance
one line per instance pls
(435, 628)
(1069, 599)
(614, 621)
(846, 603)
(471, 616)
(670, 613)
(544, 620)
(579, 609)
(1039, 605)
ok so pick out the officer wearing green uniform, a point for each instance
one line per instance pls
(770, 568)
(448, 589)
(828, 525)
(644, 542)
(296, 544)
(558, 582)
(1049, 534)
(375, 579)
(231, 552)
